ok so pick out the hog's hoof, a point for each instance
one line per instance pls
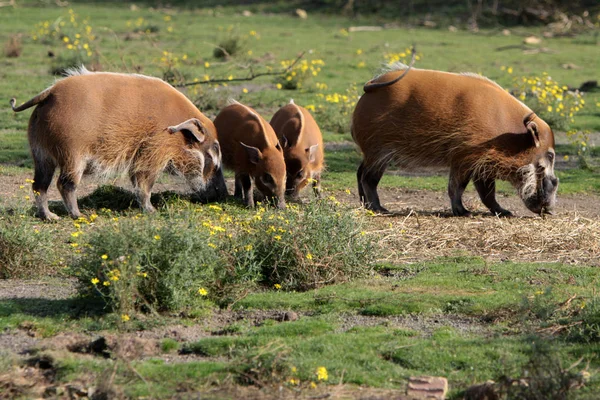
(501, 212)
(462, 213)
(49, 216)
(378, 209)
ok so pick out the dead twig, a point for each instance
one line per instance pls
(250, 77)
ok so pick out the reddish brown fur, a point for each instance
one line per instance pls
(251, 150)
(302, 143)
(466, 122)
(116, 123)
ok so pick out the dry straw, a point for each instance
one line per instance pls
(567, 238)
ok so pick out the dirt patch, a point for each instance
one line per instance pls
(424, 325)
(47, 288)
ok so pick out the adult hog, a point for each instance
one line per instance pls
(110, 123)
(302, 143)
(427, 118)
(251, 149)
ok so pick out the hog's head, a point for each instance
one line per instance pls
(199, 159)
(538, 184)
(269, 171)
(298, 160)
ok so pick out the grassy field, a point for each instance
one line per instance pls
(322, 299)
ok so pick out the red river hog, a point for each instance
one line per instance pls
(302, 143)
(463, 121)
(111, 123)
(251, 149)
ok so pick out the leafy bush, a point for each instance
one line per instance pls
(554, 103)
(148, 262)
(229, 44)
(335, 112)
(299, 74)
(179, 260)
(577, 319)
(25, 251)
(304, 248)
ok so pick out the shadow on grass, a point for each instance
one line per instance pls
(72, 308)
(116, 198)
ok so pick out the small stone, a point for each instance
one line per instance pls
(532, 40)
(452, 28)
(505, 32)
(427, 387)
(247, 13)
(290, 316)
(300, 13)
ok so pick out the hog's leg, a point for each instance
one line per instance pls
(369, 179)
(316, 185)
(359, 175)
(245, 185)
(238, 188)
(44, 171)
(487, 192)
(142, 185)
(456, 187)
(69, 178)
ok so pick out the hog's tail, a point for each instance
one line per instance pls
(36, 100)
(369, 87)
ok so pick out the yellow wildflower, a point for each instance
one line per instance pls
(104, 256)
(156, 237)
(277, 286)
(322, 374)
(309, 256)
(95, 281)
(202, 292)
(125, 317)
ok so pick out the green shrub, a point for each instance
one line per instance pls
(180, 260)
(25, 250)
(148, 262)
(304, 248)
(230, 44)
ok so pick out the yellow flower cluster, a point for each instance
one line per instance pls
(321, 374)
(169, 60)
(403, 57)
(74, 35)
(548, 95)
(299, 73)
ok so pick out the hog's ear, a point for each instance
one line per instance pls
(312, 152)
(284, 142)
(191, 129)
(533, 129)
(254, 154)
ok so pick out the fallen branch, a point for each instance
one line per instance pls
(250, 77)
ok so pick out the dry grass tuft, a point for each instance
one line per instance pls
(13, 47)
(567, 238)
